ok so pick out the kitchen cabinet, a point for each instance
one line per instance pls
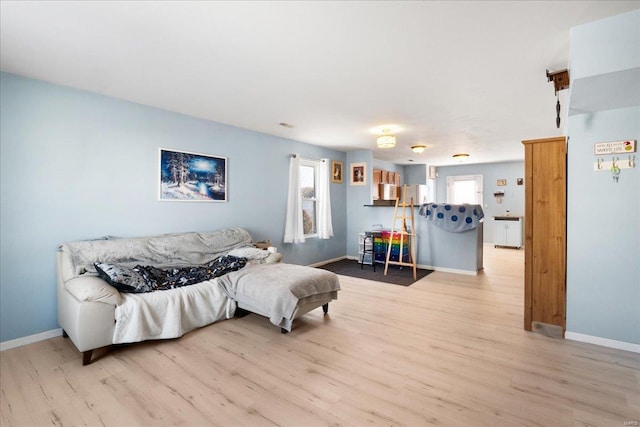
(507, 231)
(385, 177)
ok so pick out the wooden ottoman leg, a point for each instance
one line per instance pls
(86, 357)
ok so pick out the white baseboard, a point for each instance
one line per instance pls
(18, 342)
(605, 342)
(450, 270)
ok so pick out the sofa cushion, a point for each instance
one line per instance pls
(124, 279)
(256, 256)
(92, 288)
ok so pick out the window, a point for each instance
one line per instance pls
(464, 189)
(309, 170)
(308, 200)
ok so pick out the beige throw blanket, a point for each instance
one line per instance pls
(276, 288)
(180, 249)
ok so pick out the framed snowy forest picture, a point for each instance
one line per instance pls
(192, 177)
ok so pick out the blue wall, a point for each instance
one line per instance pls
(76, 165)
(603, 225)
(415, 174)
(357, 197)
(513, 199)
(603, 232)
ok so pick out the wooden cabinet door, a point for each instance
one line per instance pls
(545, 234)
(377, 179)
(377, 176)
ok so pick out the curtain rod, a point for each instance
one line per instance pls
(293, 155)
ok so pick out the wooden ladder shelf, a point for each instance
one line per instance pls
(406, 232)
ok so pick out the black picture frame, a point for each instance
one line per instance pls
(184, 176)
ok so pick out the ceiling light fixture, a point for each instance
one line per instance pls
(386, 140)
(461, 157)
(418, 149)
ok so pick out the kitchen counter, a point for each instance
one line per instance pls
(507, 218)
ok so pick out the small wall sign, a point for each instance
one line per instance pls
(502, 182)
(615, 147)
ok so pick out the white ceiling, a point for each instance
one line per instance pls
(456, 76)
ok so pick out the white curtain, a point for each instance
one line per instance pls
(325, 228)
(293, 230)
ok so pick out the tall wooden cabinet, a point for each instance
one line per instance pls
(545, 235)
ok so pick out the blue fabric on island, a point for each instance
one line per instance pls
(452, 218)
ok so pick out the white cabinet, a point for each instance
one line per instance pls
(365, 249)
(507, 231)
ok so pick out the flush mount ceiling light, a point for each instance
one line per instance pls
(418, 149)
(461, 157)
(386, 140)
(386, 135)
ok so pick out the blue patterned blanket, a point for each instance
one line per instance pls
(148, 278)
(452, 218)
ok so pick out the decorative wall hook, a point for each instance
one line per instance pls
(614, 165)
(560, 81)
(615, 170)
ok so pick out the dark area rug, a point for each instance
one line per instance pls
(396, 275)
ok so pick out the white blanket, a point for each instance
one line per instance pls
(170, 313)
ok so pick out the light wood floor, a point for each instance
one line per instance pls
(448, 350)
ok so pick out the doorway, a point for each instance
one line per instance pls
(464, 189)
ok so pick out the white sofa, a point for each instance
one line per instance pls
(89, 307)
